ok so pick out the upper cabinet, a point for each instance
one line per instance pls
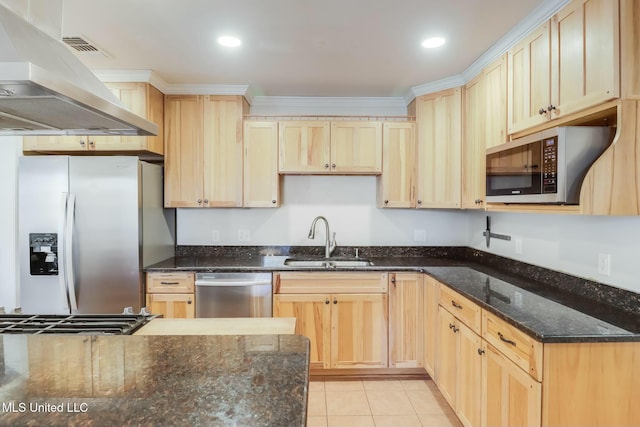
(140, 98)
(261, 180)
(473, 148)
(439, 143)
(568, 64)
(396, 185)
(322, 147)
(203, 165)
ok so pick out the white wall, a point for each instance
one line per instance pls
(567, 243)
(10, 148)
(348, 202)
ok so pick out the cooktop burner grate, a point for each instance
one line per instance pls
(94, 324)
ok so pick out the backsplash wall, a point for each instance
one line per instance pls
(566, 243)
(348, 203)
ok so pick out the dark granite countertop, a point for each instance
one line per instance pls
(550, 306)
(68, 380)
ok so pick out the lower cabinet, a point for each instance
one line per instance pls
(458, 367)
(510, 397)
(407, 296)
(347, 327)
(171, 294)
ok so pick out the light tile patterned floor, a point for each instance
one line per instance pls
(411, 403)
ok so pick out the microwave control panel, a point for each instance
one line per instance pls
(550, 165)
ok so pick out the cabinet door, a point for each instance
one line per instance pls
(586, 55)
(510, 397)
(356, 147)
(313, 320)
(261, 180)
(473, 150)
(529, 80)
(439, 133)
(222, 151)
(431, 323)
(56, 143)
(183, 173)
(303, 147)
(172, 306)
(495, 102)
(406, 320)
(397, 183)
(469, 377)
(446, 355)
(359, 331)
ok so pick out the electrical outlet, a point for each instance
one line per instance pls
(604, 264)
(215, 235)
(244, 235)
(518, 242)
(420, 235)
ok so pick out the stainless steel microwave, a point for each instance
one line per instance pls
(545, 167)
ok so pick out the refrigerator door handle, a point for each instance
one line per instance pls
(69, 226)
(62, 242)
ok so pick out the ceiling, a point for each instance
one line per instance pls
(352, 48)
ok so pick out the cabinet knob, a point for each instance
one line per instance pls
(386, 202)
(419, 202)
(82, 142)
(335, 301)
(206, 200)
(551, 107)
(542, 111)
(480, 351)
(326, 165)
(91, 142)
(199, 201)
(189, 302)
(274, 201)
(333, 165)
(326, 301)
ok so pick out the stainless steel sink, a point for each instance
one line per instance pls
(327, 263)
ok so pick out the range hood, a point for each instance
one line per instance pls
(46, 90)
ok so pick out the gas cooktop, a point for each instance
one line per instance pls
(80, 324)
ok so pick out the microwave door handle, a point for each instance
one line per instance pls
(70, 224)
(62, 248)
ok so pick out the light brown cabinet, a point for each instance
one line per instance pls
(142, 99)
(568, 64)
(439, 144)
(473, 148)
(510, 397)
(203, 164)
(356, 304)
(432, 300)
(322, 147)
(171, 294)
(458, 357)
(407, 298)
(261, 186)
(396, 184)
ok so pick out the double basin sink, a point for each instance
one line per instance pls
(327, 262)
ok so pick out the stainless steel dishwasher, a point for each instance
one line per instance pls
(233, 295)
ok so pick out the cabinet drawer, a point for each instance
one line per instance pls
(516, 345)
(170, 283)
(329, 283)
(461, 307)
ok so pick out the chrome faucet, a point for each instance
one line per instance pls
(329, 245)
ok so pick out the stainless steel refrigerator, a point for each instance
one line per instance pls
(87, 226)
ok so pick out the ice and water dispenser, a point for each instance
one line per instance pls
(43, 254)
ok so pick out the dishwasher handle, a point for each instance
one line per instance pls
(232, 283)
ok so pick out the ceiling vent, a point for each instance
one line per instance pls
(82, 45)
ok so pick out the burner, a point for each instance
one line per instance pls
(86, 324)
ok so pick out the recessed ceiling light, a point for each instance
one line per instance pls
(229, 41)
(432, 42)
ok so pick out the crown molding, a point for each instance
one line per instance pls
(542, 13)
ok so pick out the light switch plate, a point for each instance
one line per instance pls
(604, 264)
(244, 235)
(420, 235)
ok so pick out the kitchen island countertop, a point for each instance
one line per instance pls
(220, 326)
(62, 380)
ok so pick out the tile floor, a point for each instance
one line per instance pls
(401, 403)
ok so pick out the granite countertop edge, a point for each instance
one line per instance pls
(386, 264)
